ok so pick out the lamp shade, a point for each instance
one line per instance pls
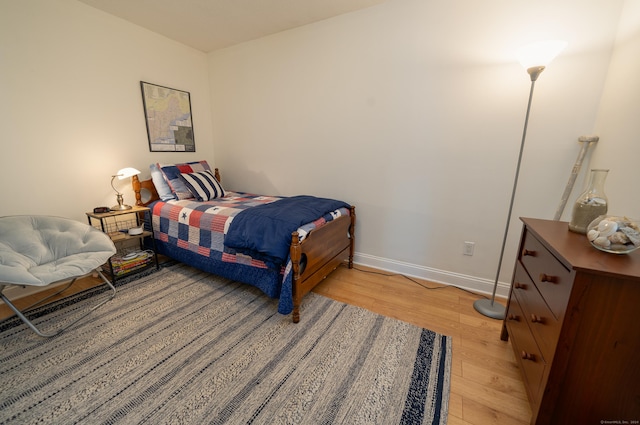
(127, 172)
(539, 54)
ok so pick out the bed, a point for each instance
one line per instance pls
(197, 229)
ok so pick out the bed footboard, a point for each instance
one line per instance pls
(319, 254)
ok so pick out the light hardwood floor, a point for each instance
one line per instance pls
(486, 386)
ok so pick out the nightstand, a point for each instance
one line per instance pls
(132, 256)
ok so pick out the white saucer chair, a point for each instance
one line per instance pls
(44, 250)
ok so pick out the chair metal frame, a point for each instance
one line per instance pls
(21, 313)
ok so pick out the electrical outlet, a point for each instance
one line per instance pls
(468, 248)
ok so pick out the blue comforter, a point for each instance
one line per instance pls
(265, 230)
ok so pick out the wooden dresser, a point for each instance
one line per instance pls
(573, 316)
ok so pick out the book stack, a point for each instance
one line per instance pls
(124, 264)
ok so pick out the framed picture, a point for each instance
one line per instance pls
(168, 116)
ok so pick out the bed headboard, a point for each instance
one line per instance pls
(146, 192)
(150, 192)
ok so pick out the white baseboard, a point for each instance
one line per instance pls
(471, 283)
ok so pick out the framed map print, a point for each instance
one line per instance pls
(168, 115)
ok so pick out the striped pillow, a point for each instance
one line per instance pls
(203, 185)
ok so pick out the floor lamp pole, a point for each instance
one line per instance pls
(489, 307)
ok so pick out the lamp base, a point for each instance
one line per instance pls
(121, 205)
(489, 308)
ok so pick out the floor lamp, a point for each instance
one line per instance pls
(534, 58)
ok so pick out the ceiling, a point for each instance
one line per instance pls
(209, 25)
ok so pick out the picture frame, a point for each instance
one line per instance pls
(168, 117)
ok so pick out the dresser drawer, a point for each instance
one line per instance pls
(544, 326)
(527, 354)
(550, 276)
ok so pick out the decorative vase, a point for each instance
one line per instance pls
(591, 204)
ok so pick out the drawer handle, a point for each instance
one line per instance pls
(548, 278)
(536, 319)
(513, 317)
(519, 285)
(527, 252)
(527, 356)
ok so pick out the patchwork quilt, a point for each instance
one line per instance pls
(198, 230)
(201, 226)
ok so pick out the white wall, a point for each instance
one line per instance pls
(413, 111)
(618, 123)
(71, 111)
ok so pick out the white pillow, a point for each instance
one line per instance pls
(162, 187)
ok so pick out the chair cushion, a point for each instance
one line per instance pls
(39, 250)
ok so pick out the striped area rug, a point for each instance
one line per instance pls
(182, 346)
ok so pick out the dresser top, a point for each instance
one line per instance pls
(576, 252)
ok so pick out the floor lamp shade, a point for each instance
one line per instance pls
(534, 58)
(540, 53)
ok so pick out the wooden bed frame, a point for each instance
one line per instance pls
(321, 252)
